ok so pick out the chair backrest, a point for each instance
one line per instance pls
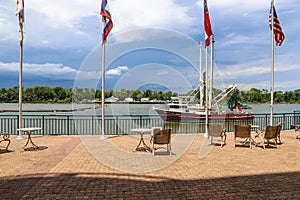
(279, 127)
(242, 131)
(162, 137)
(271, 132)
(155, 130)
(214, 130)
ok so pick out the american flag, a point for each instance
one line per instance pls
(207, 26)
(278, 33)
(107, 20)
(20, 15)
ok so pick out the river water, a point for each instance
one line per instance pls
(124, 109)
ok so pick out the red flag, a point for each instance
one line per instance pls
(207, 26)
(278, 33)
(107, 20)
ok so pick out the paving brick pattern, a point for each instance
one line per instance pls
(70, 167)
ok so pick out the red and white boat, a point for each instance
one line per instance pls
(183, 112)
(191, 116)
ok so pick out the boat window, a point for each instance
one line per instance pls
(178, 106)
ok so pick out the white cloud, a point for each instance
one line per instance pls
(234, 6)
(117, 71)
(8, 22)
(46, 70)
(64, 14)
(128, 15)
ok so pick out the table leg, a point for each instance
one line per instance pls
(30, 140)
(144, 147)
(138, 146)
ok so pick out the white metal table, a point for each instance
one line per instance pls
(29, 132)
(142, 146)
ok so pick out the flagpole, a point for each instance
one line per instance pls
(20, 137)
(211, 70)
(103, 137)
(106, 26)
(200, 77)
(21, 35)
(206, 92)
(272, 65)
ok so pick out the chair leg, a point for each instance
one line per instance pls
(7, 145)
(153, 150)
(275, 143)
(279, 140)
(234, 142)
(250, 141)
(221, 141)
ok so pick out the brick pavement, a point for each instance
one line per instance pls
(73, 167)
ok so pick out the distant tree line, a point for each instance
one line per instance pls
(45, 94)
(263, 96)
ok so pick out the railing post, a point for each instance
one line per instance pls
(117, 122)
(93, 125)
(68, 124)
(43, 122)
(141, 120)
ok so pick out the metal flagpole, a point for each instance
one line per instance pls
(211, 70)
(106, 26)
(103, 137)
(20, 137)
(200, 78)
(20, 13)
(206, 92)
(272, 65)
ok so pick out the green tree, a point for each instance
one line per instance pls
(148, 94)
(255, 95)
(278, 96)
(108, 93)
(136, 95)
(288, 97)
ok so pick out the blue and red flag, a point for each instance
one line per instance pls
(207, 26)
(278, 33)
(106, 19)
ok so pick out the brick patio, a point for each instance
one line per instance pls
(73, 167)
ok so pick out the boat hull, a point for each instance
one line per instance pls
(177, 116)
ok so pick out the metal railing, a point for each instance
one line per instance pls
(122, 124)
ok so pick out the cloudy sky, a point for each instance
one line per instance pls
(154, 43)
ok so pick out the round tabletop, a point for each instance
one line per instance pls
(141, 130)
